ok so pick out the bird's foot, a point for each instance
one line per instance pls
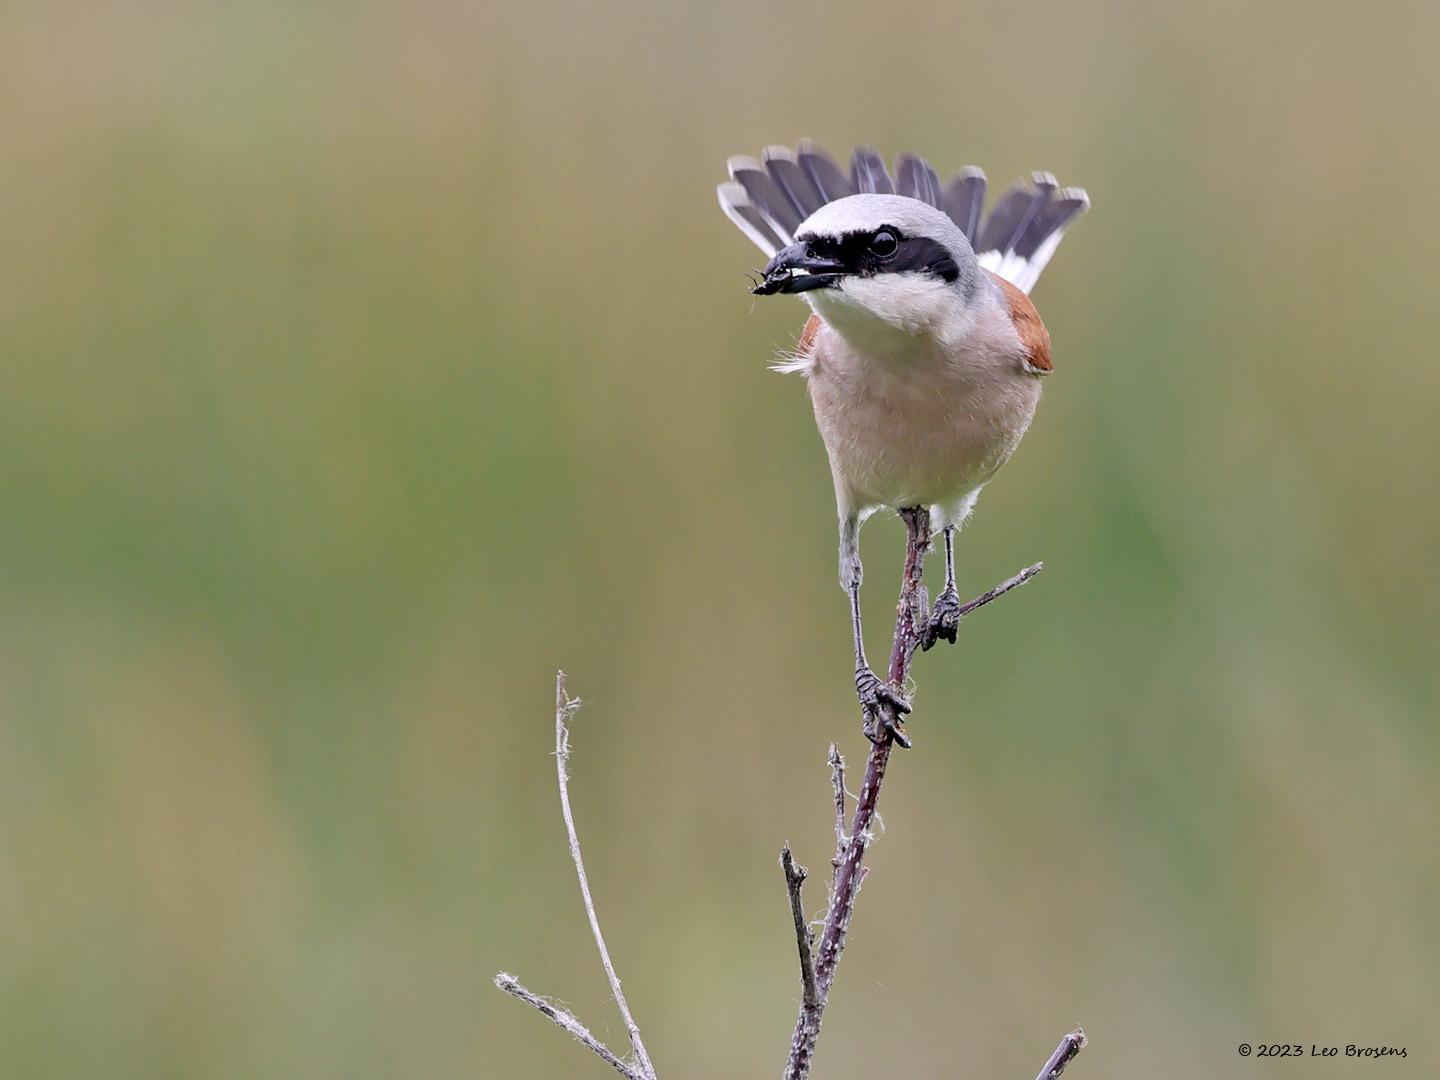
(944, 619)
(883, 706)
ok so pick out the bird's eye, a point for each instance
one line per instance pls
(883, 244)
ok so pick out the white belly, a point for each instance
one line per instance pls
(927, 429)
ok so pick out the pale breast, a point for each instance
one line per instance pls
(926, 428)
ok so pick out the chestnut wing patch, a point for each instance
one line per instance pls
(1033, 336)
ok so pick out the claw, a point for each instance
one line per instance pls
(944, 619)
(873, 692)
(883, 708)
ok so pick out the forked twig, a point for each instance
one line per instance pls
(565, 707)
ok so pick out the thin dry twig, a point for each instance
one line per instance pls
(1069, 1046)
(565, 707)
(566, 1019)
(795, 875)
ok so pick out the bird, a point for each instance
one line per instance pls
(923, 354)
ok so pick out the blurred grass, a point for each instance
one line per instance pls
(363, 364)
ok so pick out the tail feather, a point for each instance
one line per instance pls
(820, 167)
(868, 174)
(766, 196)
(785, 170)
(1054, 215)
(964, 198)
(739, 209)
(1043, 237)
(1007, 221)
(1021, 234)
(915, 177)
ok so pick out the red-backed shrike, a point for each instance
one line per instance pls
(923, 354)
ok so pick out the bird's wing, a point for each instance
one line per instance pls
(1034, 338)
(768, 197)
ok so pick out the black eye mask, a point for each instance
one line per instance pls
(915, 254)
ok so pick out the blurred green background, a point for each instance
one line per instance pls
(362, 364)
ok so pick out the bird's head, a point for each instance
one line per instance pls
(882, 268)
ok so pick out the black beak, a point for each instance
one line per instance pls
(795, 270)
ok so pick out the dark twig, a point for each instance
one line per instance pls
(998, 591)
(1069, 1046)
(566, 1020)
(565, 707)
(795, 881)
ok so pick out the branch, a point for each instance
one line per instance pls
(1069, 1046)
(565, 707)
(566, 1020)
(849, 873)
(795, 881)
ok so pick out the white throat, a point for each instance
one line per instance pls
(894, 314)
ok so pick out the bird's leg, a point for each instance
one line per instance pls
(945, 615)
(881, 705)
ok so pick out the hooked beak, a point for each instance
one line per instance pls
(795, 270)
